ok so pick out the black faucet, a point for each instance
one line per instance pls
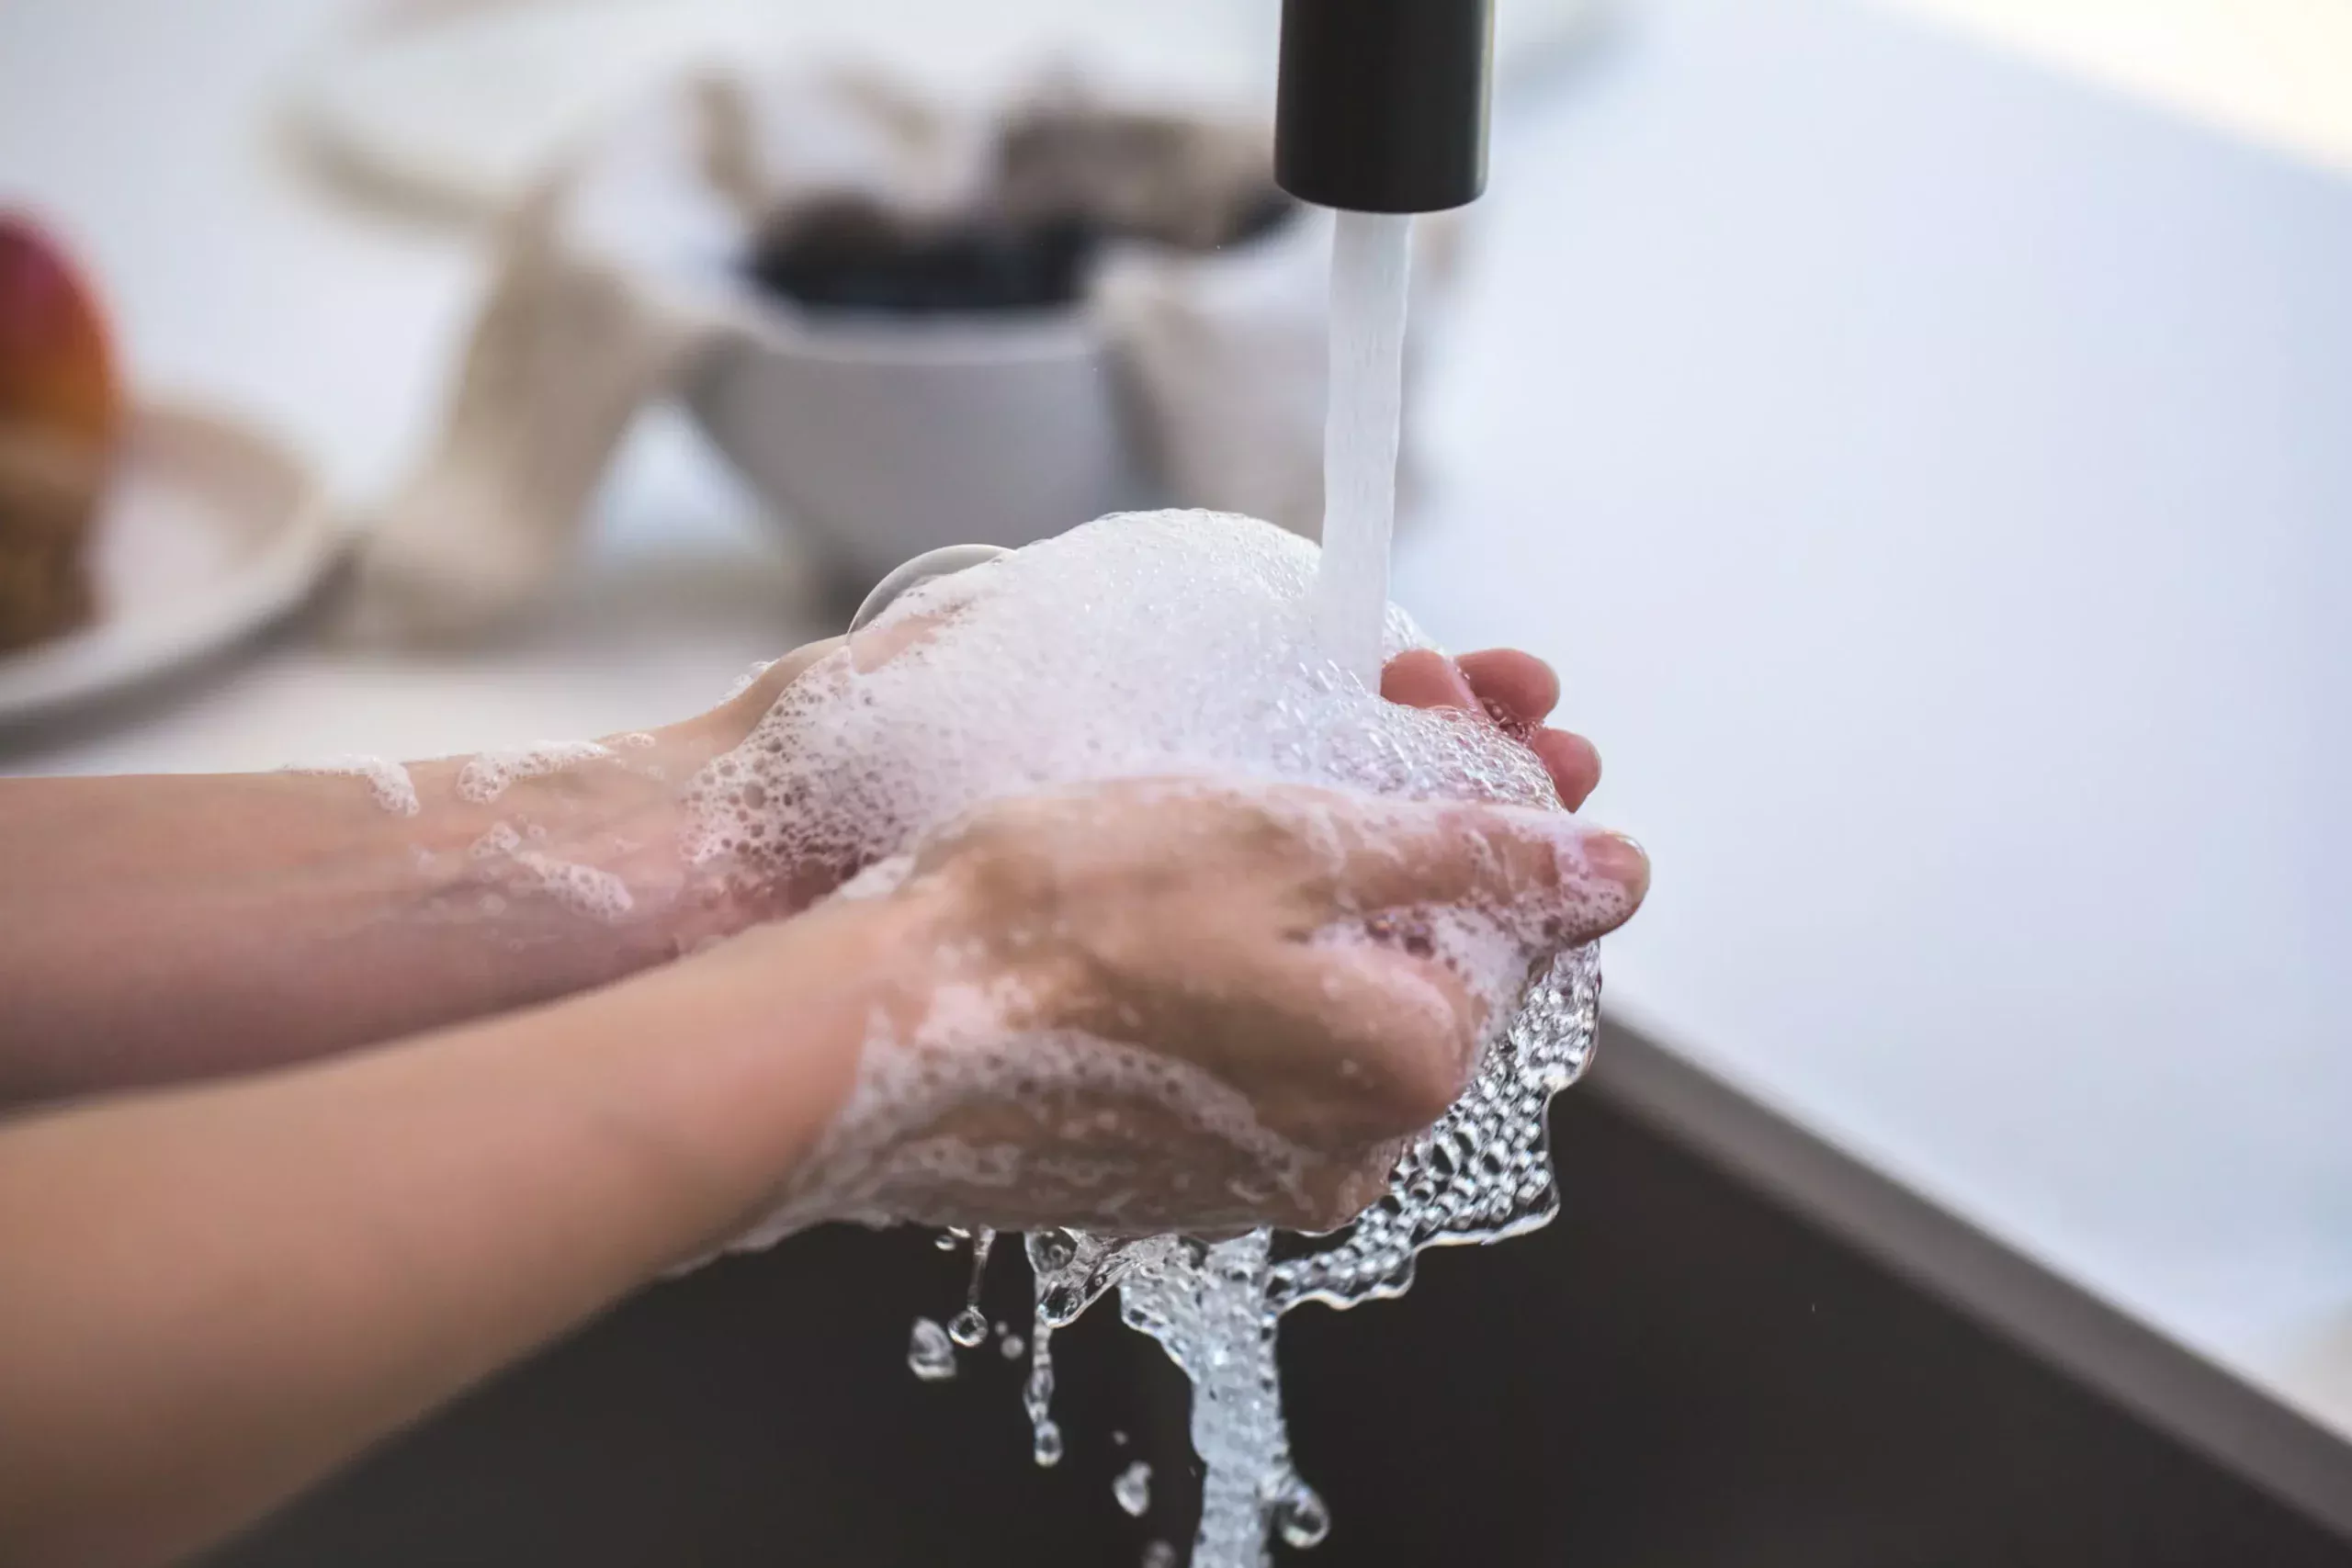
(1382, 105)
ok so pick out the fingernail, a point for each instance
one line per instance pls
(1620, 859)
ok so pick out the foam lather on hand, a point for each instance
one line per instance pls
(1141, 645)
(1168, 645)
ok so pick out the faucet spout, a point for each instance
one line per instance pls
(1382, 104)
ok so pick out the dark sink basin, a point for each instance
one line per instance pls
(1684, 1369)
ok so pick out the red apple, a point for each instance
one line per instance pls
(59, 411)
(56, 361)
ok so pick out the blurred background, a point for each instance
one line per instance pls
(1920, 431)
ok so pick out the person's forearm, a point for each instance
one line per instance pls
(164, 928)
(208, 1296)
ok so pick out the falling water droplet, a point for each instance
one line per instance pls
(1158, 1554)
(1047, 1448)
(967, 1328)
(1133, 1489)
(1038, 1395)
(1300, 1514)
(930, 1354)
(970, 1327)
(1040, 1391)
(1012, 1347)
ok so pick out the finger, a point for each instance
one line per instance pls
(1515, 690)
(1572, 762)
(1393, 1039)
(1408, 1030)
(1424, 678)
(1538, 869)
(1520, 685)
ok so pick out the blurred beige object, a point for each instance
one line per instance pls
(612, 276)
(207, 532)
(1181, 373)
(2279, 72)
(565, 349)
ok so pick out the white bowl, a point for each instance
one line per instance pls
(881, 437)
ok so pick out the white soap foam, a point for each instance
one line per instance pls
(1141, 645)
(749, 678)
(485, 778)
(393, 789)
(586, 889)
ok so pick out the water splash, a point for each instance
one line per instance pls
(1482, 1173)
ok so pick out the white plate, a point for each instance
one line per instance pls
(209, 532)
(463, 111)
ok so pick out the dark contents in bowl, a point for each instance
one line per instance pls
(851, 253)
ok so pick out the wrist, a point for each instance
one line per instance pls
(780, 1018)
(569, 860)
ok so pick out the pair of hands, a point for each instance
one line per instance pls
(1239, 1066)
(504, 1168)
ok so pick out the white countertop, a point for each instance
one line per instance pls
(1931, 475)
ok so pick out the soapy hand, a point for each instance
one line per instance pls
(1155, 1005)
(1144, 1006)
(1514, 690)
(1505, 687)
